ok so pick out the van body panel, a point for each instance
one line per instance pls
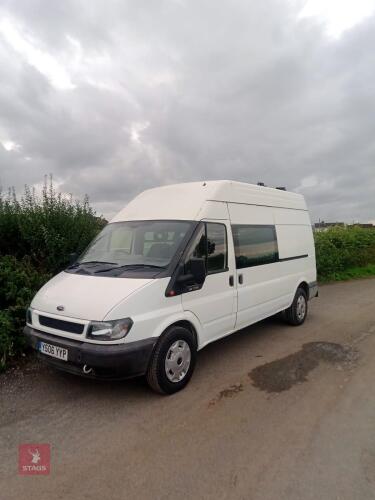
(214, 306)
(213, 210)
(84, 297)
(297, 258)
(294, 241)
(148, 310)
(165, 203)
(161, 312)
(185, 201)
(258, 294)
(291, 217)
(250, 194)
(250, 214)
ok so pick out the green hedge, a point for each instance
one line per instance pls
(340, 249)
(46, 228)
(19, 281)
(37, 234)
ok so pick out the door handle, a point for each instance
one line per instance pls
(240, 279)
(231, 281)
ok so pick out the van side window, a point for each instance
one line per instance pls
(254, 245)
(216, 247)
(210, 243)
(197, 249)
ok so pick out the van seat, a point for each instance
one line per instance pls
(160, 251)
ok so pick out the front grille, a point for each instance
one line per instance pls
(59, 324)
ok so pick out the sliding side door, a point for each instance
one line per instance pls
(257, 266)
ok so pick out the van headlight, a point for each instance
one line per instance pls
(109, 330)
(29, 317)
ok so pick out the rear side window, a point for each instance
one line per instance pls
(254, 245)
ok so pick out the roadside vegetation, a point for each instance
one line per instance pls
(345, 253)
(38, 232)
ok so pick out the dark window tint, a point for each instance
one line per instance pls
(210, 244)
(216, 247)
(254, 245)
(197, 249)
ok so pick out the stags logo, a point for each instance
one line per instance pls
(34, 459)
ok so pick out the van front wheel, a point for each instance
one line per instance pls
(172, 363)
(297, 312)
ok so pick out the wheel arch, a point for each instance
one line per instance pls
(188, 321)
(304, 285)
(184, 323)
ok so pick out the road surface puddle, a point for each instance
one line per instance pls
(282, 374)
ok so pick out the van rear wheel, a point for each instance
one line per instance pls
(296, 314)
(173, 361)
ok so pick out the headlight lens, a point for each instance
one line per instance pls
(29, 318)
(109, 330)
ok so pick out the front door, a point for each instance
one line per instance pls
(215, 303)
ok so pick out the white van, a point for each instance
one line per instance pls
(179, 267)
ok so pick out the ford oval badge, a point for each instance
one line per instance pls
(60, 308)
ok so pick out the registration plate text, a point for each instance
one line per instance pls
(53, 350)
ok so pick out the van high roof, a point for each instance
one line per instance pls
(194, 200)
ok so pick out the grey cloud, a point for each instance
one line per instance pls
(219, 90)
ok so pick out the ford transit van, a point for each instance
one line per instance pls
(179, 267)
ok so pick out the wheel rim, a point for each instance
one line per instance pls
(301, 307)
(177, 361)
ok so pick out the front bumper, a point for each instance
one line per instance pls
(115, 361)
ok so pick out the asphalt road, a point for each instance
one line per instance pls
(272, 412)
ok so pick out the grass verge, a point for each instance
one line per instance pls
(350, 274)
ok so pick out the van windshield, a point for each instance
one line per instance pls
(131, 245)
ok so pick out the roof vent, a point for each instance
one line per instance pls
(282, 188)
(260, 184)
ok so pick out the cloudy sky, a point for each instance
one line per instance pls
(113, 97)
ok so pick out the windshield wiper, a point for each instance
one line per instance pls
(76, 264)
(97, 262)
(129, 267)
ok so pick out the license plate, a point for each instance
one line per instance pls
(53, 350)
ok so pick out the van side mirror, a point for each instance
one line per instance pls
(196, 274)
(190, 277)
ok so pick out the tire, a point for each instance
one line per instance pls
(296, 314)
(173, 361)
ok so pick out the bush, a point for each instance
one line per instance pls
(37, 234)
(46, 228)
(19, 281)
(339, 249)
